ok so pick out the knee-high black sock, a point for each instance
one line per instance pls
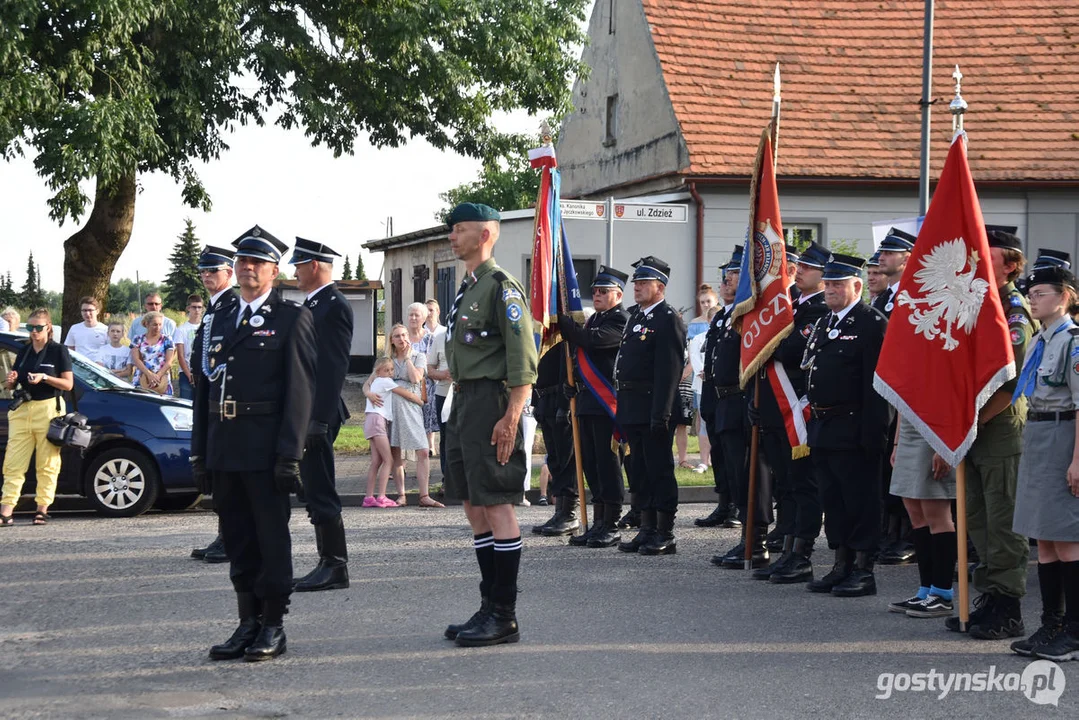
(944, 554)
(485, 556)
(923, 550)
(507, 562)
(1070, 577)
(1051, 584)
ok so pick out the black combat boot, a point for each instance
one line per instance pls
(1004, 620)
(759, 553)
(632, 518)
(596, 527)
(555, 518)
(1051, 585)
(1052, 624)
(738, 551)
(798, 567)
(765, 573)
(244, 635)
(606, 534)
(217, 548)
(983, 604)
(496, 627)
(775, 540)
(567, 522)
(716, 518)
(648, 526)
(860, 581)
(734, 518)
(270, 641)
(452, 631)
(331, 573)
(662, 541)
(839, 572)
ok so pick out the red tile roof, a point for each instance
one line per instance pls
(851, 72)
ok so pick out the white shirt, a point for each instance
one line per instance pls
(804, 298)
(114, 358)
(892, 290)
(650, 308)
(185, 336)
(696, 360)
(217, 296)
(313, 293)
(87, 340)
(383, 387)
(843, 313)
(3, 325)
(255, 305)
(436, 356)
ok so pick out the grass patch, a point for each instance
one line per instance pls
(351, 440)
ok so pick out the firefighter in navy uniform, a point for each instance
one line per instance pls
(251, 413)
(332, 317)
(550, 408)
(599, 339)
(732, 430)
(897, 547)
(848, 427)
(647, 371)
(215, 271)
(798, 513)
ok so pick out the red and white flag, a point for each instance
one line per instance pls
(947, 348)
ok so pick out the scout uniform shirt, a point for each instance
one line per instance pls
(492, 334)
(1002, 435)
(1057, 387)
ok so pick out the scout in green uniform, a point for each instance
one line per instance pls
(492, 358)
(993, 468)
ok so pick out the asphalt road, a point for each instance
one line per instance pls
(110, 619)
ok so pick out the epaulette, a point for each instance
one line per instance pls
(293, 303)
(499, 275)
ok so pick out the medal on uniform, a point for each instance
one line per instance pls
(213, 361)
(833, 333)
(470, 337)
(637, 328)
(257, 321)
(217, 347)
(889, 306)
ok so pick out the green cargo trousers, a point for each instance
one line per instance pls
(991, 481)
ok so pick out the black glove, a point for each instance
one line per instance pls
(569, 391)
(203, 483)
(754, 415)
(660, 427)
(566, 324)
(286, 476)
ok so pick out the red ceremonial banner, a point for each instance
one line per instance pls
(947, 348)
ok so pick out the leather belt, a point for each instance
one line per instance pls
(635, 386)
(833, 410)
(233, 408)
(544, 392)
(1051, 416)
(728, 390)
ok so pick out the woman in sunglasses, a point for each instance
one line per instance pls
(40, 376)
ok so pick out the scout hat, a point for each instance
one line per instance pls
(258, 244)
(1003, 236)
(1051, 275)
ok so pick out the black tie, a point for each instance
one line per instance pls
(246, 316)
(833, 321)
(452, 319)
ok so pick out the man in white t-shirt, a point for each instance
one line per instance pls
(183, 339)
(89, 336)
(151, 304)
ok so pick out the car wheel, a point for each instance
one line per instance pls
(175, 502)
(122, 482)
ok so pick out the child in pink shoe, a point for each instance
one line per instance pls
(376, 424)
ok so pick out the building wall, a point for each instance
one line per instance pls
(647, 141)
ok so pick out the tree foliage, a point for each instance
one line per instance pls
(183, 278)
(359, 273)
(346, 271)
(126, 296)
(8, 294)
(32, 296)
(104, 90)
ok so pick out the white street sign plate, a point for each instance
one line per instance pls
(579, 210)
(652, 212)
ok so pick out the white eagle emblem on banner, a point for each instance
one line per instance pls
(950, 293)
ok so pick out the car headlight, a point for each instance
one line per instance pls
(180, 418)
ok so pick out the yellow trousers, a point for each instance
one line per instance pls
(27, 430)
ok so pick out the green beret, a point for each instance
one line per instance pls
(472, 212)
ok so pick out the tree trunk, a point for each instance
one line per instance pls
(91, 253)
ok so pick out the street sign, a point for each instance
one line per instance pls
(652, 212)
(579, 210)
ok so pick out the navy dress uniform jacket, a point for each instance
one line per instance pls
(649, 365)
(839, 373)
(599, 338)
(730, 407)
(332, 316)
(225, 304)
(270, 362)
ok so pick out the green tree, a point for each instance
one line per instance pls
(346, 271)
(32, 295)
(8, 296)
(360, 273)
(126, 296)
(183, 279)
(106, 90)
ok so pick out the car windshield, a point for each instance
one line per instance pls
(95, 376)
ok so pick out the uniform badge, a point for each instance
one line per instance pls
(807, 330)
(1021, 319)
(1016, 336)
(1075, 368)
(637, 328)
(257, 320)
(833, 334)
(513, 312)
(1016, 301)
(312, 303)
(213, 361)
(217, 348)
(474, 307)
(511, 294)
(470, 337)
(889, 307)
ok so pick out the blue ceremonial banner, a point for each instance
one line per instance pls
(563, 294)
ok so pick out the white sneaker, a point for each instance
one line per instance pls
(524, 502)
(700, 469)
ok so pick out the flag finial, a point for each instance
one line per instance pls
(958, 106)
(775, 85)
(545, 132)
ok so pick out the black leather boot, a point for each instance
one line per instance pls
(716, 518)
(331, 573)
(765, 573)
(775, 540)
(632, 518)
(738, 551)
(734, 520)
(318, 565)
(244, 635)
(606, 534)
(662, 541)
(214, 552)
(798, 567)
(844, 562)
(452, 631)
(556, 517)
(497, 627)
(567, 522)
(860, 580)
(901, 551)
(759, 552)
(270, 641)
(595, 527)
(648, 526)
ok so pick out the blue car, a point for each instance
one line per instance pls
(139, 448)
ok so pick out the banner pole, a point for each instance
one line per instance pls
(961, 540)
(576, 441)
(751, 501)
